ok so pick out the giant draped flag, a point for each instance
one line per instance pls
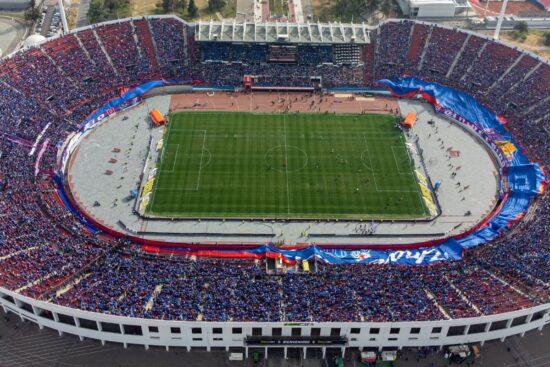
(521, 182)
(521, 179)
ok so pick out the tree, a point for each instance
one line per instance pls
(170, 5)
(192, 9)
(216, 5)
(521, 27)
(345, 10)
(371, 6)
(183, 4)
(386, 7)
(96, 12)
(32, 13)
(547, 39)
(166, 5)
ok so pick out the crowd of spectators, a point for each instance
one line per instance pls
(436, 63)
(494, 61)
(172, 49)
(417, 44)
(392, 49)
(226, 290)
(45, 252)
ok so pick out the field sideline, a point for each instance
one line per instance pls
(261, 165)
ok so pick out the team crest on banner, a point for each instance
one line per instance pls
(507, 147)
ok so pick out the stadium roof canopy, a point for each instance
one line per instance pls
(274, 32)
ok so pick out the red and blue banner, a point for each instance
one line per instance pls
(448, 251)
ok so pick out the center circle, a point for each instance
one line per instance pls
(286, 158)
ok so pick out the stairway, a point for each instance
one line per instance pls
(504, 74)
(472, 63)
(98, 39)
(457, 57)
(425, 50)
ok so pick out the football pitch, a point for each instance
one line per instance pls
(311, 166)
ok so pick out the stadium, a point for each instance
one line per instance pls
(253, 186)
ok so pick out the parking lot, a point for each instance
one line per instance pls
(49, 23)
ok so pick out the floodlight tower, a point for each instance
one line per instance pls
(500, 18)
(63, 16)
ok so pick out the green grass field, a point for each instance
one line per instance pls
(245, 165)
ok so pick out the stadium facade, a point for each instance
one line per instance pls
(260, 335)
(356, 49)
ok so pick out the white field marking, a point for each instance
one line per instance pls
(175, 158)
(370, 161)
(200, 164)
(286, 169)
(396, 163)
(209, 158)
(293, 146)
(374, 172)
(196, 188)
(363, 160)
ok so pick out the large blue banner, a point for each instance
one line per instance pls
(462, 108)
(129, 98)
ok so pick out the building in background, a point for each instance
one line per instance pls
(433, 8)
(14, 4)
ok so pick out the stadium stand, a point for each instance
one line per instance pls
(437, 64)
(46, 253)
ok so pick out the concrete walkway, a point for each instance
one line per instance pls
(12, 32)
(82, 16)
